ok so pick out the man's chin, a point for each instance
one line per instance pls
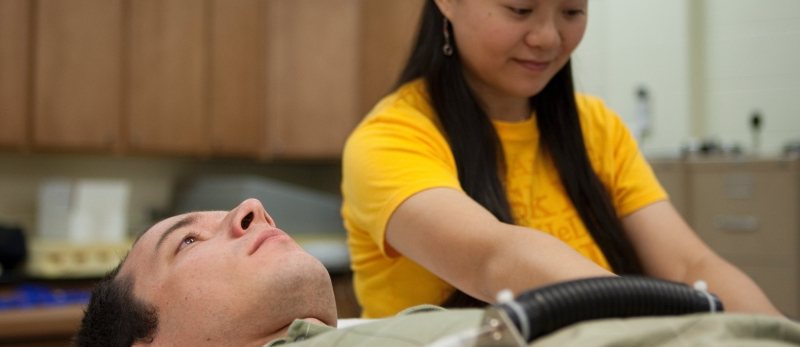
(306, 290)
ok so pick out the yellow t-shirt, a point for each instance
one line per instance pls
(398, 150)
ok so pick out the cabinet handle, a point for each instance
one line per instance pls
(737, 224)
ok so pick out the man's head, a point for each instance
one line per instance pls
(213, 278)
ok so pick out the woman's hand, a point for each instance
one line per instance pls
(669, 249)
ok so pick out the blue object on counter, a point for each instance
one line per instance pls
(31, 296)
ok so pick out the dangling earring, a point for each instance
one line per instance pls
(447, 48)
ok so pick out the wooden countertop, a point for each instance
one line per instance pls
(52, 324)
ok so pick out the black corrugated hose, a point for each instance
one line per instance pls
(546, 309)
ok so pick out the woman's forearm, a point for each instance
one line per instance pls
(527, 258)
(736, 290)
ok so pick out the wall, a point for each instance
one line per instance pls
(627, 46)
(708, 65)
(752, 55)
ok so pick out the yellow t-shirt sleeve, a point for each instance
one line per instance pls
(392, 155)
(625, 172)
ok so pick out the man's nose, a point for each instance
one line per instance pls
(250, 212)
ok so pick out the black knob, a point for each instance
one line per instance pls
(756, 121)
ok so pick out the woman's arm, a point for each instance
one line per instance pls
(454, 237)
(669, 249)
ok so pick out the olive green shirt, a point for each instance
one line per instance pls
(673, 331)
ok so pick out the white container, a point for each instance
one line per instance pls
(83, 211)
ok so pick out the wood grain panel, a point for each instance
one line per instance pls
(387, 33)
(238, 77)
(167, 110)
(14, 85)
(40, 325)
(78, 68)
(312, 66)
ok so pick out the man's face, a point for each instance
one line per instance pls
(226, 278)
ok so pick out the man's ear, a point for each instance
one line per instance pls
(446, 7)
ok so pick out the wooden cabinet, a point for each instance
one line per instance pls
(78, 74)
(388, 31)
(197, 77)
(671, 173)
(312, 75)
(40, 327)
(346, 302)
(237, 112)
(253, 78)
(747, 210)
(167, 71)
(277, 79)
(329, 62)
(14, 71)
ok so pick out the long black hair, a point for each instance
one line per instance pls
(475, 143)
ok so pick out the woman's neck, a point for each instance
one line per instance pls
(508, 111)
(497, 105)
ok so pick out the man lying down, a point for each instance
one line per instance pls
(235, 279)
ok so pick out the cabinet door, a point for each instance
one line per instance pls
(168, 97)
(747, 212)
(747, 208)
(237, 120)
(671, 173)
(328, 62)
(14, 39)
(387, 33)
(78, 67)
(312, 69)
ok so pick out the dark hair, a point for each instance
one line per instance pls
(114, 316)
(474, 144)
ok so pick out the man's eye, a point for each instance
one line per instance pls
(186, 241)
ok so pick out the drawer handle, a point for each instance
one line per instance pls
(737, 224)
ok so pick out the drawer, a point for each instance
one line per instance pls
(780, 284)
(748, 208)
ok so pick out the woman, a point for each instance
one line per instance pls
(484, 171)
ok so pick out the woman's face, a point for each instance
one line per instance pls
(512, 48)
